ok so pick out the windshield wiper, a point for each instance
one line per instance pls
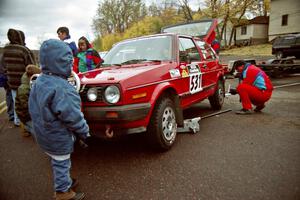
(153, 60)
(108, 65)
(133, 61)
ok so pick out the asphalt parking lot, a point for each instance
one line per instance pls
(232, 157)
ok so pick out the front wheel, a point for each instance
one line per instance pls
(217, 99)
(162, 129)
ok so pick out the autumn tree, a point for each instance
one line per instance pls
(115, 16)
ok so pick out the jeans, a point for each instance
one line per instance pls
(9, 104)
(16, 118)
(61, 166)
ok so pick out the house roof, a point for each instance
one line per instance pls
(260, 20)
(255, 20)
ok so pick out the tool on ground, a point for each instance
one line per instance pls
(192, 125)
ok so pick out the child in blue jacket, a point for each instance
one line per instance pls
(54, 106)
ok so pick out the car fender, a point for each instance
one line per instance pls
(161, 89)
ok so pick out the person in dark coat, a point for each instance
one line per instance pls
(3, 83)
(16, 56)
(22, 99)
(54, 106)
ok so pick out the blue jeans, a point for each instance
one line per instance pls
(16, 118)
(9, 104)
(61, 174)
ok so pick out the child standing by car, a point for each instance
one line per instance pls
(22, 100)
(54, 106)
(87, 58)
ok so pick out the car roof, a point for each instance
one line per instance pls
(289, 35)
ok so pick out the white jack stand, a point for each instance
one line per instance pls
(192, 125)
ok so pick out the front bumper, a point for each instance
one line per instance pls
(126, 113)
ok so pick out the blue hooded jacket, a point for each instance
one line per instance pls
(54, 104)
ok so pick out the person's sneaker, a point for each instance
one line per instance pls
(74, 183)
(259, 108)
(243, 112)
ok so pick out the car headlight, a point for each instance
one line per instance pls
(112, 94)
(92, 94)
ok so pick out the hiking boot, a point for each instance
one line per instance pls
(259, 108)
(243, 112)
(70, 195)
(78, 196)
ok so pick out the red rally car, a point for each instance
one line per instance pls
(145, 83)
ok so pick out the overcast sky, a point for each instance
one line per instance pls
(39, 19)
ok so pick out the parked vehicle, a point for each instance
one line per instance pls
(145, 83)
(288, 45)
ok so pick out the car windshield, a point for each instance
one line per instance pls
(198, 29)
(156, 48)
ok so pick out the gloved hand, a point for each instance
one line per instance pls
(233, 91)
(83, 142)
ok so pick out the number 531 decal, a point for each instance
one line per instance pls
(195, 82)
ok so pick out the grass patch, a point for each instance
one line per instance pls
(254, 50)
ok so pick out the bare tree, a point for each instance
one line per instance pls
(186, 9)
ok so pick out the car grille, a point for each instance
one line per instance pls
(83, 94)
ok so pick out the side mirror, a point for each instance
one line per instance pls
(184, 57)
(194, 57)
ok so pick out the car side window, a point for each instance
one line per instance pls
(206, 50)
(298, 40)
(289, 40)
(187, 48)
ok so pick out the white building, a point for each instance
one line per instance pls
(284, 18)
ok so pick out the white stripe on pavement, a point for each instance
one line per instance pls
(3, 104)
(286, 85)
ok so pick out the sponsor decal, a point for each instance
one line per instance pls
(195, 78)
(174, 73)
(184, 73)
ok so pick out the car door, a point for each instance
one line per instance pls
(190, 55)
(210, 63)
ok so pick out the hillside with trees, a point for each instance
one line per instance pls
(117, 20)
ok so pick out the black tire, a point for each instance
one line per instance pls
(217, 99)
(162, 129)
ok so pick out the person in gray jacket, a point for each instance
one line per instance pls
(54, 106)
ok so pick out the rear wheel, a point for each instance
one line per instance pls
(217, 99)
(162, 129)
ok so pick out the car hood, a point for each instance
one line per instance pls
(127, 75)
(205, 29)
